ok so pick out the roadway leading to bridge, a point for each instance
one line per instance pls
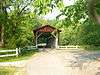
(63, 62)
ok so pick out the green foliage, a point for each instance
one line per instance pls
(20, 17)
(75, 13)
(22, 33)
(90, 35)
(77, 28)
(45, 6)
(90, 47)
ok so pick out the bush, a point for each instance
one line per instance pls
(90, 47)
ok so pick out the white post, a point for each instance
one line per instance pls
(19, 51)
(16, 51)
(36, 43)
(56, 44)
(36, 37)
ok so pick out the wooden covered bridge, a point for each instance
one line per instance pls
(46, 37)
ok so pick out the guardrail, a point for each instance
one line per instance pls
(68, 47)
(17, 51)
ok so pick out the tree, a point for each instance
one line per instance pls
(94, 10)
(19, 17)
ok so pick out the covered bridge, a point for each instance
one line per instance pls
(46, 37)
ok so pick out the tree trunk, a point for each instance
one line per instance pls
(1, 35)
(92, 11)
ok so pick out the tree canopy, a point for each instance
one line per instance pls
(20, 17)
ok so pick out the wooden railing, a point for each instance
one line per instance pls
(17, 51)
(68, 47)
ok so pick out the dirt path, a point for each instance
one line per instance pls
(46, 64)
(62, 62)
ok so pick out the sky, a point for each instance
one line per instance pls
(56, 11)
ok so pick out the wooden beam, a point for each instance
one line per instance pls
(36, 40)
(39, 35)
(2, 36)
(56, 42)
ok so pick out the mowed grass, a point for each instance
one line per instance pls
(24, 55)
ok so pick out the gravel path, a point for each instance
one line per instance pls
(62, 62)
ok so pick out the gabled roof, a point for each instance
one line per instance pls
(46, 28)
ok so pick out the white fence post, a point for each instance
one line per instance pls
(16, 51)
(7, 54)
(19, 51)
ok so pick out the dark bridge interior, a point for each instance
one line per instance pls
(47, 39)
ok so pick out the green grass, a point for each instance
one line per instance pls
(7, 70)
(3, 48)
(3, 53)
(23, 56)
(91, 48)
(10, 70)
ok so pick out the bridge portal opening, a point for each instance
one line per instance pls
(46, 37)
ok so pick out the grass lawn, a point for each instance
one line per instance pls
(7, 70)
(23, 56)
(11, 71)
